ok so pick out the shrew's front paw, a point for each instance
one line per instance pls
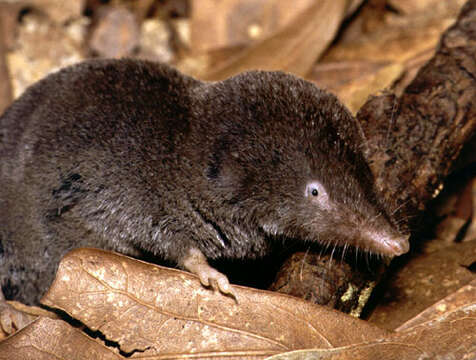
(196, 263)
(11, 319)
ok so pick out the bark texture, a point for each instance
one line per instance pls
(413, 140)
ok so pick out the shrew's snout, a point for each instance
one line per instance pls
(387, 244)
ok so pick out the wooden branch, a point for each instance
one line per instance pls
(413, 140)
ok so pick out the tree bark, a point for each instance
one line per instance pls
(413, 140)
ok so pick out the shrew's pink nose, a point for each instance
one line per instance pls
(386, 244)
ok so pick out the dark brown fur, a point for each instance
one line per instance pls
(133, 156)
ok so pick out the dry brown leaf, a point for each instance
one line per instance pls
(41, 47)
(336, 75)
(464, 297)
(434, 6)
(423, 281)
(389, 54)
(354, 81)
(230, 23)
(165, 311)
(33, 310)
(59, 11)
(293, 49)
(30, 313)
(397, 40)
(5, 85)
(9, 12)
(47, 339)
(446, 330)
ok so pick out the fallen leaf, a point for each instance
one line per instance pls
(41, 47)
(364, 62)
(46, 339)
(447, 330)
(438, 6)
(230, 23)
(157, 311)
(9, 13)
(59, 11)
(30, 314)
(33, 310)
(423, 281)
(462, 298)
(397, 40)
(355, 92)
(5, 84)
(293, 49)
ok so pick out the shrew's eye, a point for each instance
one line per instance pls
(317, 194)
(315, 190)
